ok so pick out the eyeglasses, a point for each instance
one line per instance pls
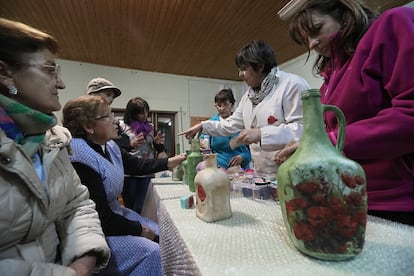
(110, 116)
(223, 105)
(52, 70)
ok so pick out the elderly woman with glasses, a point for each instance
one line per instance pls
(48, 224)
(101, 165)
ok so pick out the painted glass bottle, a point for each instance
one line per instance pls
(184, 165)
(193, 159)
(213, 192)
(322, 193)
(177, 174)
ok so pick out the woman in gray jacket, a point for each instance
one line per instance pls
(48, 224)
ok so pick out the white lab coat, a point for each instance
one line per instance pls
(283, 103)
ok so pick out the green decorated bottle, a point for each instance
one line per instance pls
(177, 174)
(322, 193)
(185, 172)
(193, 159)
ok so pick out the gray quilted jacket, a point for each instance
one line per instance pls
(43, 228)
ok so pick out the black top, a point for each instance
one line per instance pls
(123, 142)
(112, 223)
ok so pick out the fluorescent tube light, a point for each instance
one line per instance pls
(288, 10)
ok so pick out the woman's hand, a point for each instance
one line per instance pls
(84, 266)
(249, 136)
(236, 160)
(176, 160)
(147, 233)
(162, 154)
(191, 132)
(286, 152)
(159, 138)
(138, 140)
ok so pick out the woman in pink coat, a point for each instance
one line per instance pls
(367, 64)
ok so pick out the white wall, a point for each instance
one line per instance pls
(188, 96)
(303, 68)
(164, 92)
(410, 4)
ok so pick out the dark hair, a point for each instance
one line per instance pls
(256, 53)
(134, 107)
(17, 39)
(353, 15)
(81, 110)
(224, 95)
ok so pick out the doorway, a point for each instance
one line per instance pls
(163, 121)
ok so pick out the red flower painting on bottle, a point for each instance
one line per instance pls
(328, 217)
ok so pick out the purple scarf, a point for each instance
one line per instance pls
(143, 127)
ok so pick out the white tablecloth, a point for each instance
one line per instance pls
(152, 199)
(254, 241)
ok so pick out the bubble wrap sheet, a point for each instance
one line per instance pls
(152, 199)
(254, 242)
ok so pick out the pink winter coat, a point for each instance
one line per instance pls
(375, 90)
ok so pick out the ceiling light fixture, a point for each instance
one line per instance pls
(288, 10)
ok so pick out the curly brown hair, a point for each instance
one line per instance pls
(82, 110)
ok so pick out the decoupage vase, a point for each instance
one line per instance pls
(177, 173)
(193, 159)
(185, 171)
(322, 193)
(212, 192)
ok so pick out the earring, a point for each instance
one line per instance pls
(13, 90)
(91, 132)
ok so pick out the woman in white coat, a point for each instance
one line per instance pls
(269, 114)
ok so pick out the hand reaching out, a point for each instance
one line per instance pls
(176, 160)
(286, 152)
(235, 161)
(159, 138)
(249, 136)
(191, 132)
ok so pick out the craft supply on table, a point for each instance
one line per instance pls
(187, 202)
